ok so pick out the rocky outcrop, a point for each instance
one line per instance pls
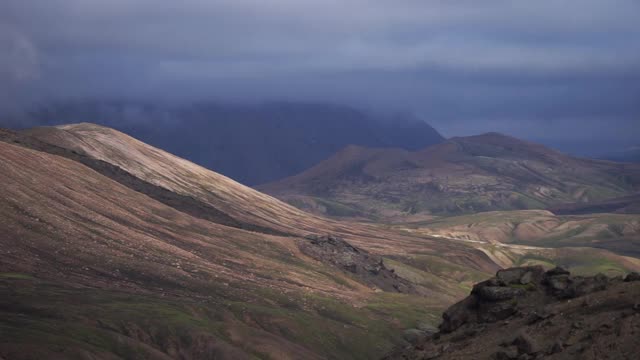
(634, 276)
(530, 313)
(361, 264)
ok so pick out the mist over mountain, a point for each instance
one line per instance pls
(252, 144)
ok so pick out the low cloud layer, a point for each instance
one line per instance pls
(530, 68)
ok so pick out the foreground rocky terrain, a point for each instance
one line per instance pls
(530, 313)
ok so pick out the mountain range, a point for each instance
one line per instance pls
(459, 176)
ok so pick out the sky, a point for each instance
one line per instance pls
(565, 71)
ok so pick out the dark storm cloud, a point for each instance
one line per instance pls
(531, 68)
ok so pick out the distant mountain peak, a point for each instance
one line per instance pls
(461, 175)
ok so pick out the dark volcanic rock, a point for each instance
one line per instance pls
(496, 293)
(525, 344)
(557, 271)
(634, 276)
(494, 299)
(459, 314)
(527, 313)
(414, 336)
(367, 267)
(507, 354)
(520, 275)
(566, 287)
(492, 312)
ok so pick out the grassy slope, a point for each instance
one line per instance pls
(50, 317)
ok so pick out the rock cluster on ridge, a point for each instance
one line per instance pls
(529, 313)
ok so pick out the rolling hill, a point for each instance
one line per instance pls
(619, 233)
(112, 248)
(462, 175)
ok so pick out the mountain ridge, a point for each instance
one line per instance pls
(461, 175)
(252, 144)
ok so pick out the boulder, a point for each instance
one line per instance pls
(558, 282)
(519, 275)
(580, 286)
(526, 278)
(497, 293)
(495, 311)
(555, 348)
(525, 344)
(427, 328)
(459, 314)
(634, 276)
(509, 353)
(510, 276)
(557, 271)
(414, 336)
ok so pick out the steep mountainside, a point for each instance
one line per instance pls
(527, 313)
(462, 175)
(250, 144)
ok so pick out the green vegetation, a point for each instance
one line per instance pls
(47, 316)
(334, 208)
(531, 260)
(589, 265)
(15, 276)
